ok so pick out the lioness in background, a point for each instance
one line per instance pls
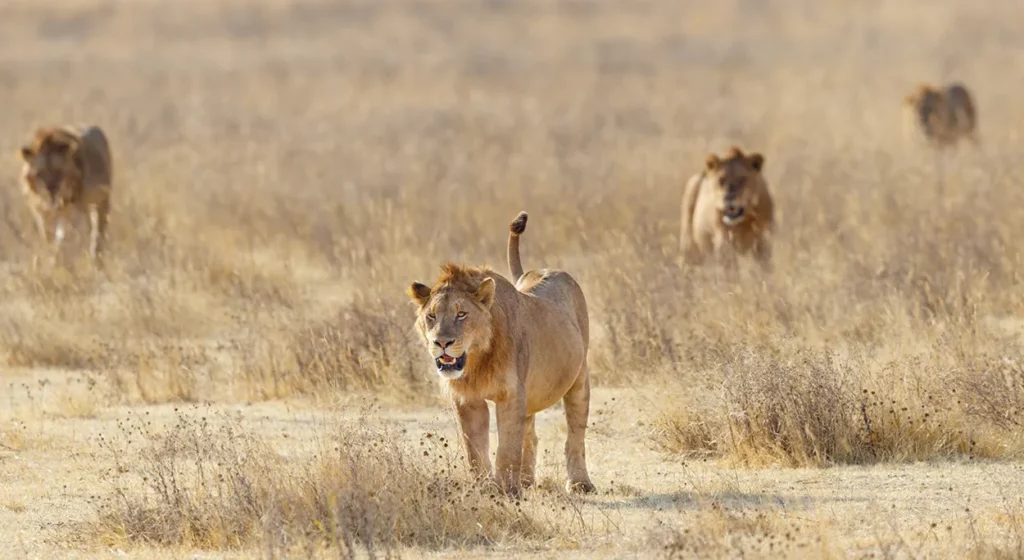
(522, 346)
(727, 210)
(68, 172)
(942, 116)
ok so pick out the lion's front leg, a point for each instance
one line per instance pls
(44, 225)
(475, 426)
(763, 254)
(97, 228)
(511, 427)
(52, 229)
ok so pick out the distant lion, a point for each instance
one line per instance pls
(522, 346)
(727, 210)
(942, 116)
(65, 172)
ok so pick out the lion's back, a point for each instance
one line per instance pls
(961, 107)
(98, 169)
(559, 289)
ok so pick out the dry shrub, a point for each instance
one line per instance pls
(813, 408)
(794, 410)
(206, 483)
(992, 387)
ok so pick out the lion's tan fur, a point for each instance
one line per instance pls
(526, 348)
(941, 116)
(703, 233)
(68, 173)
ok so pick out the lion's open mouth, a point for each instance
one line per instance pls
(732, 215)
(445, 362)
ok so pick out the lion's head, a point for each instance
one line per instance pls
(922, 92)
(737, 183)
(52, 166)
(454, 316)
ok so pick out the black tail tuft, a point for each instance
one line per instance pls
(518, 226)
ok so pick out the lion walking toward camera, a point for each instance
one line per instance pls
(521, 345)
(728, 211)
(68, 173)
(941, 116)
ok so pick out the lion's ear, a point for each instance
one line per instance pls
(712, 162)
(27, 153)
(420, 293)
(485, 293)
(756, 161)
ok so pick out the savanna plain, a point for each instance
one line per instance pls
(242, 377)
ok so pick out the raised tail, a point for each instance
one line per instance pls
(515, 264)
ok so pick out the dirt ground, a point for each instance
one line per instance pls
(55, 473)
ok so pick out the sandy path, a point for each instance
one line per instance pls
(54, 472)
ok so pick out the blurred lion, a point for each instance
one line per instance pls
(521, 345)
(67, 173)
(943, 116)
(727, 210)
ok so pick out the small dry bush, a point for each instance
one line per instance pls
(207, 483)
(814, 408)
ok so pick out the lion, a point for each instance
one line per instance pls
(727, 210)
(523, 346)
(942, 116)
(68, 172)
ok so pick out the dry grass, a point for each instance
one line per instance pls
(285, 169)
(817, 409)
(209, 484)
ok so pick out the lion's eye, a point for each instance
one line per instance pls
(461, 315)
(431, 317)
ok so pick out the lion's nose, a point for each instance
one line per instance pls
(444, 343)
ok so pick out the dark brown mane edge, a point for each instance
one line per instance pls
(52, 137)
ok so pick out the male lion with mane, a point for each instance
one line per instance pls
(727, 210)
(68, 172)
(522, 346)
(943, 116)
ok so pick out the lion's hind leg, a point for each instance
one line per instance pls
(577, 413)
(528, 474)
